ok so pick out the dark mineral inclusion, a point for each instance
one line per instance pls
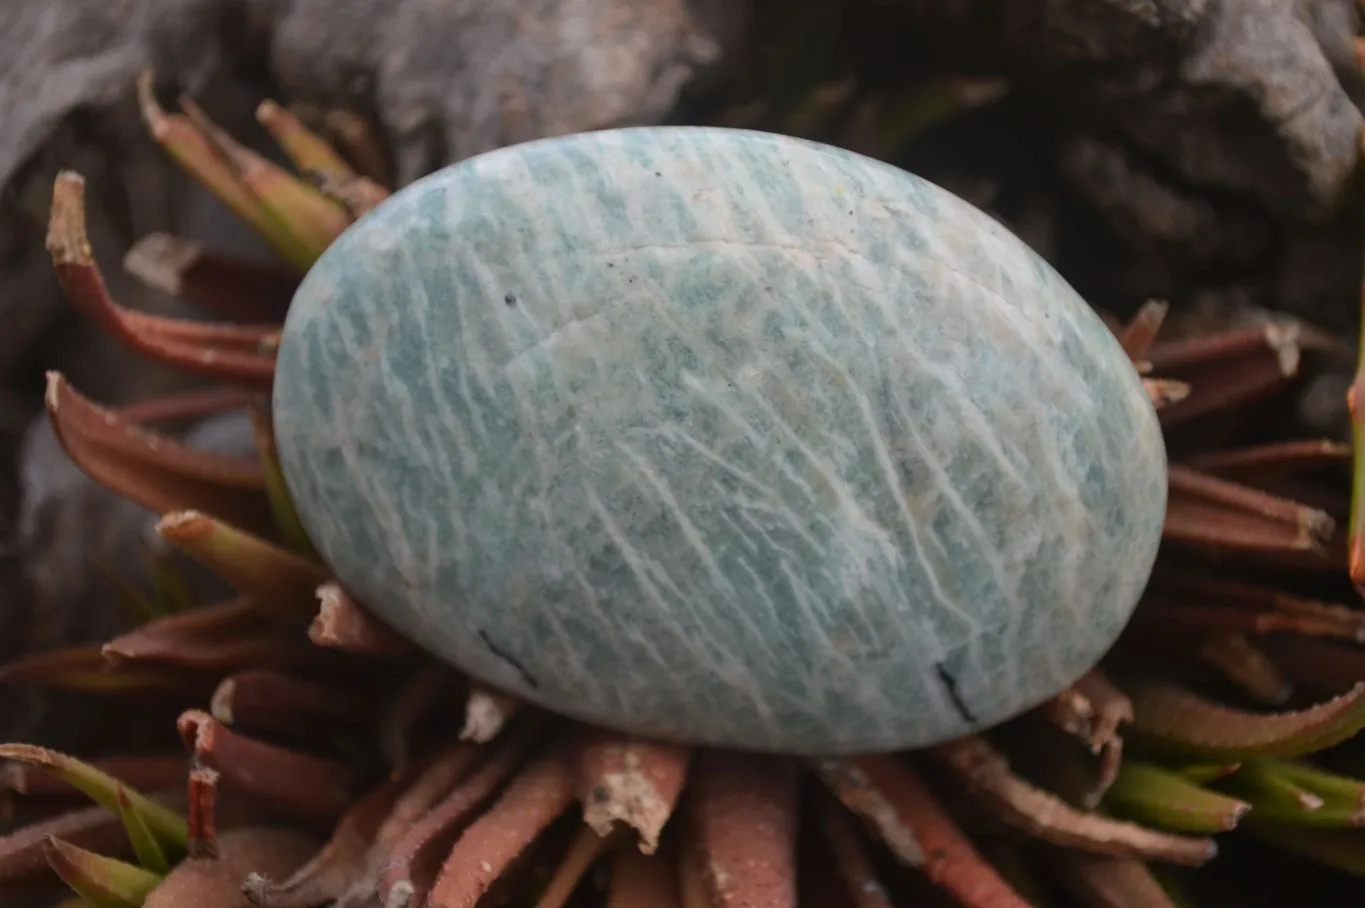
(721, 437)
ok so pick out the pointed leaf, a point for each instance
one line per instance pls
(194, 151)
(743, 822)
(892, 799)
(1173, 720)
(279, 583)
(1149, 794)
(85, 669)
(987, 775)
(1298, 794)
(414, 860)
(103, 789)
(222, 352)
(309, 151)
(23, 867)
(1280, 458)
(149, 852)
(297, 785)
(309, 215)
(159, 486)
(333, 869)
(228, 636)
(155, 772)
(1212, 512)
(281, 502)
(104, 882)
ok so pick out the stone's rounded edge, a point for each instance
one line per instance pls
(412, 195)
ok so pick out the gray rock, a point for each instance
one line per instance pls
(1255, 107)
(451, 79)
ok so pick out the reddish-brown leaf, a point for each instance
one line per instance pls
(631, 781)
(266, 700)
(742, 812)
(535, 798)
(156, 472)
(195, 403)
(892, 799)
(415, 858)
(1204, 603)
(1093, 709)
(1272, 459)
(84, 668)
(1214, 513)
(297, 785)
(1245, 665)
(119, 433)
(225, 637)
(1182, 722)
(1227, 369)
(23, 869)
(199, 350)
(987, 775)
(413, 806)
(337, 866)
(1317, 667)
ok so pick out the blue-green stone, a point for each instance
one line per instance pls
(722, 437)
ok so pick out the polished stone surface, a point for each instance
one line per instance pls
(722, 437)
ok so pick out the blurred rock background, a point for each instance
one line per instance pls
(1200, 151)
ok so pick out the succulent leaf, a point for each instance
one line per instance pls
(1173, 720)
(102, 788)
(104, 882)
(1150, 794)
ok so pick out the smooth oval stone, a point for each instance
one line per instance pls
(720, 437)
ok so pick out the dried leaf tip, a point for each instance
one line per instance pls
(159, 260)
(67, 239)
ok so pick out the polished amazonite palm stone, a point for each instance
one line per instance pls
(720, 436)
